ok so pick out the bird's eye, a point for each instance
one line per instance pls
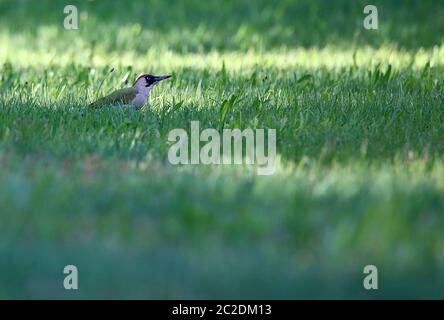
(148, 81)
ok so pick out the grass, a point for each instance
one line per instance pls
(360, 125)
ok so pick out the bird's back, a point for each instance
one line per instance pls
(119, 97)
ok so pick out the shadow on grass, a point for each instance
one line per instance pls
(193, 25)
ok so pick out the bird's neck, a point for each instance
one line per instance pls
(143, 91)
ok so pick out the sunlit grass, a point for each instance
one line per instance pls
(15, 49)
(360, 171)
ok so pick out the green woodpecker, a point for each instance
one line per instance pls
(135, 96)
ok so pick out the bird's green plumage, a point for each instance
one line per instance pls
(119, 97)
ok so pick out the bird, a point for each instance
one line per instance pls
(133, 97)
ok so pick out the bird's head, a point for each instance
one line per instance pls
(147, 81)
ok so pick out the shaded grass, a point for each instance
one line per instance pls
(359, 140)
(196, 26)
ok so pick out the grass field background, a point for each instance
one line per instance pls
(360, 141)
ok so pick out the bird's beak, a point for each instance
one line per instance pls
(162, 78)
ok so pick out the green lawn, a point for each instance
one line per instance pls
(359, 117)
